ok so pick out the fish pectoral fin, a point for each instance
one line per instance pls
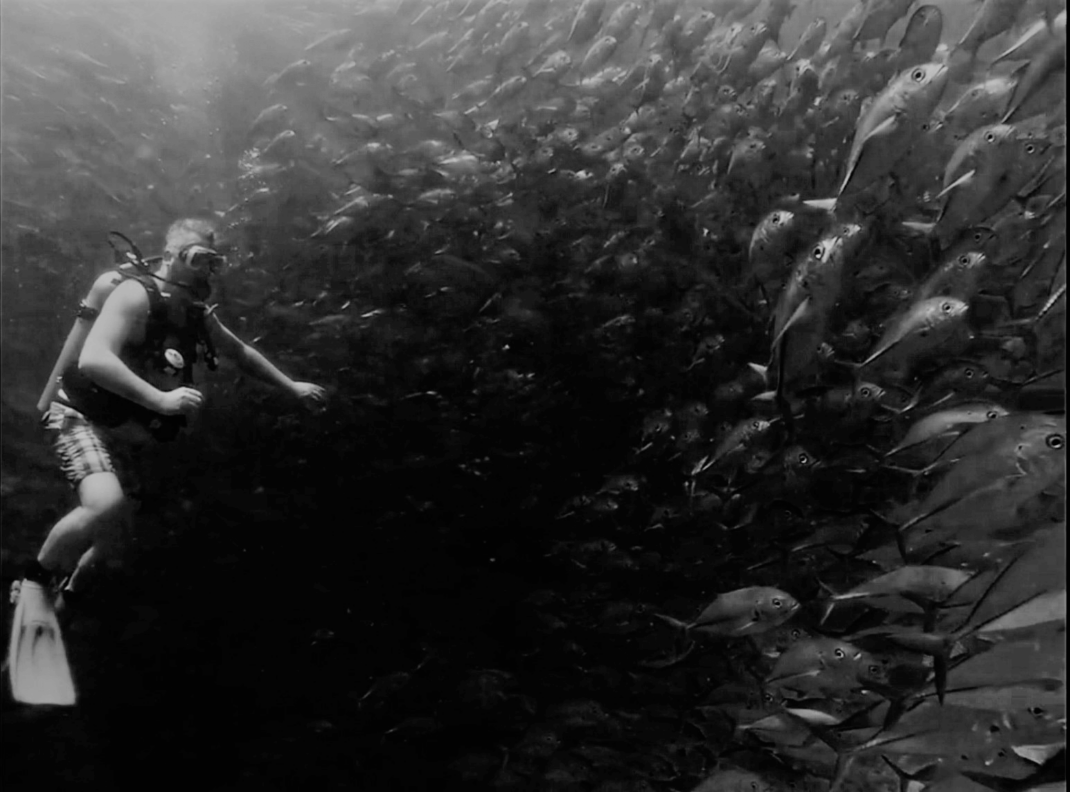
(799, 675)
(961, 181)
(822, 204)
(742, 628)
(762, 371)
(925, 229)
(794, 319)
(885, 127)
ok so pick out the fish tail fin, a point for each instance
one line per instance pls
(850, 365)
(905, 778)
(839, 554)
(844, 762)
(781, 555)
(781, 396)
(940, 663)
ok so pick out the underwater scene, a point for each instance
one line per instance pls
(533, 395)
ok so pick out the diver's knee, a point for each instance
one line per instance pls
(101, 494)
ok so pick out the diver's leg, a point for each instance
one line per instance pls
(84, 457)
(103, 537)
(102, 502)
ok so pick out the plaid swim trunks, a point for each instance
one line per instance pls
(83, 448)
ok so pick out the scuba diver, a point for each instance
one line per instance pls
(124, 378)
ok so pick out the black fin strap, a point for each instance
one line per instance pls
(36, 573)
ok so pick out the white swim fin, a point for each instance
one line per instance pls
(37, 658)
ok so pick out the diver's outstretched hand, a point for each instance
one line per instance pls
(312, 396)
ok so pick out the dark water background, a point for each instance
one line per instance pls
(282, 563)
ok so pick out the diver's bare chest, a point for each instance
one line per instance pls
(136, 354)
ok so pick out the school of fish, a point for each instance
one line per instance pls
(888, 212)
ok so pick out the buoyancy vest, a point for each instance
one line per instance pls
(108, 409)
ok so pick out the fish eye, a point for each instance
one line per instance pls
(1036, 711)
(918, 75)
(777, 602)
(839, 653)
(992, 415)
(796, 634)
(874, 669)
(1055, 441)
(946, 307)
(990, 137)
(964, 259)
(968, 373)
(865, 393)
(1030, 148)
(819, 251)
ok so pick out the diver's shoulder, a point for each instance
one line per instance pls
(102, 288)
(108, 279)
(126, 291)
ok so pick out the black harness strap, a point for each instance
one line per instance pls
(85, 312)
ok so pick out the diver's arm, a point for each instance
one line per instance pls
(121, 321)
(92, 304)
(246, 357)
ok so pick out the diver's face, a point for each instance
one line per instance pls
(195, 266)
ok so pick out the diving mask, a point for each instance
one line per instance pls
(202, 259)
